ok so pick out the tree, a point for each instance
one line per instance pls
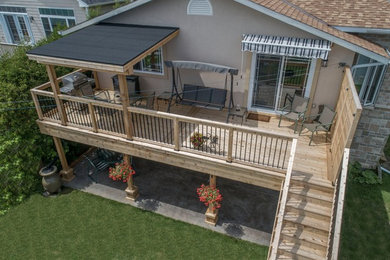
(22, 147)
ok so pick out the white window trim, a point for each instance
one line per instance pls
(308, 87)
(377, 86)
(48, 16)
(162, 73)
(6, 31)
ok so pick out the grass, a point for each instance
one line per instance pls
(366, 221)
(77, 225)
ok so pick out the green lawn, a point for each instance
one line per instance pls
(77, 225)
(366, 222)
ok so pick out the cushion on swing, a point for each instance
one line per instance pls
(200, 96)
(189, 94)
(218, 98)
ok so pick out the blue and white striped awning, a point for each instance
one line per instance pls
(286, 46)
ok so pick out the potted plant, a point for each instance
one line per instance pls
(212, 198)
(197, 140)
(121, 172)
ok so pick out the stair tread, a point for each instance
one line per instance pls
(302, 234)
(309, 207)
(311, 180)
(307, 221)
(310, 192)
(301, 251)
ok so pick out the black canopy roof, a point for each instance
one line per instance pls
(106, 43)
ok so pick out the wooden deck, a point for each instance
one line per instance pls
(310, 160)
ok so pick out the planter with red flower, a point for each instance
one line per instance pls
(212, 198)
(124, 172)
(197, 140)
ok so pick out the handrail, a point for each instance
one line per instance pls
(252, 146)
(209, 122)
(282, 207)
(337, 211)
(168, 115)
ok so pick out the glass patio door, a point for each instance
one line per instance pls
(277, 76)
(266, 81)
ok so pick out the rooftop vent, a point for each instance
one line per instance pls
(199, 7)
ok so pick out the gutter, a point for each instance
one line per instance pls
(362, 30)
(384, 169)
(85, 5)
(104, 16)
(314, 31)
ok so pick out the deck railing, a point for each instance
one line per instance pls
(281, 208)
(337, 209)
(229, 142)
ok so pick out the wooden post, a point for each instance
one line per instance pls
(131, 190)
(176, 134)
(125, 104)
(66, 172)
(37, 105)
(96, 78)
(230, 146)
(212, 215)
(56, 91)
(93, 117)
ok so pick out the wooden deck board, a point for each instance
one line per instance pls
(311, 160)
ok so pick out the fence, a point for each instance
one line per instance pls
(348, 111)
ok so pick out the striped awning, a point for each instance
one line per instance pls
(286, 46)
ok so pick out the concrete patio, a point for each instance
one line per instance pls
(247, 211)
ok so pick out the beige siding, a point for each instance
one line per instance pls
(214, 39)
(33, 12)
(217, 39)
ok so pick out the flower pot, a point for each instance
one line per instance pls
(51, 180)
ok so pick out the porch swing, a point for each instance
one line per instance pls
(200, 96)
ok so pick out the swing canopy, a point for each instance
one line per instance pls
(196, 65)
(201, 96)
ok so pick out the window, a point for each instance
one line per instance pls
(199, 7)
(153, 63)
(368, 76)
(16, 25)
(53, 18)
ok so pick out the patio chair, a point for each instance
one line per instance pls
(295, 110)
(322, 122)
(101, 161)
(146, 102)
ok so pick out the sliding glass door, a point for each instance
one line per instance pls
(276, 76)
(266, 81)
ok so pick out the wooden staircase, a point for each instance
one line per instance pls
(306, 220)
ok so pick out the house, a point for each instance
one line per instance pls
(328, 54)
(31, 21)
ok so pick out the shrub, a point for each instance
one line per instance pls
(22, 147)
(363, 176)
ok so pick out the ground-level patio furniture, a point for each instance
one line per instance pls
(323, 123)
(295, 110)
(199, 95)
(101, 160)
